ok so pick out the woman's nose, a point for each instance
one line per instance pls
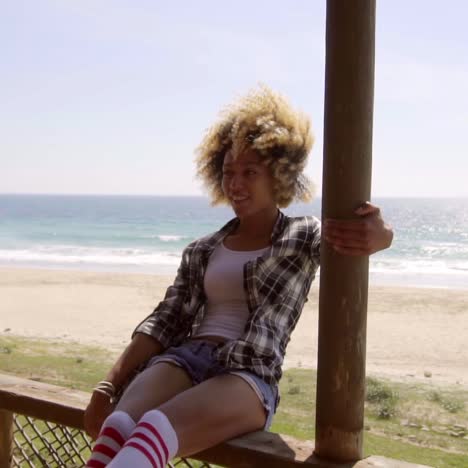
(236, 182)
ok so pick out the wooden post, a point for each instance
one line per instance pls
(349, 86)
(6, 438)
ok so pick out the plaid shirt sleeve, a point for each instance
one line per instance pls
(165, 323)
(315, 243)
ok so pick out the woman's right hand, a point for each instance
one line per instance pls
(141, 348)
(96, 412)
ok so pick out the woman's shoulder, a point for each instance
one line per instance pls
(307, 223)
(299, 235)
(200, 242)
(209, 240)
(298, 232)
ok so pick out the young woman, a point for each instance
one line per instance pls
(212, 350)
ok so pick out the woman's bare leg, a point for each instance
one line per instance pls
(153, 387)
(214, 411)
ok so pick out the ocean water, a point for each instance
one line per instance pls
(148, 233)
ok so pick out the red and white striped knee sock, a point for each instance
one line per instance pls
(152, 444)
(114, 432)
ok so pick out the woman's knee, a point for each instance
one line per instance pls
(153, 387)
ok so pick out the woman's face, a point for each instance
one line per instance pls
(248, 184)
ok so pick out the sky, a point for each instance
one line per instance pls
(113, 96)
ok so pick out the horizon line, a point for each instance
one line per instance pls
(199, 195)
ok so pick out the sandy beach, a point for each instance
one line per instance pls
(411, 331)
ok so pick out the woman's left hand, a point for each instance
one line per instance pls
(363, 236)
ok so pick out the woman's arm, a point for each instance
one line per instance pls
(164, 324)
(151, 337)
(364, 236)
(141, 348)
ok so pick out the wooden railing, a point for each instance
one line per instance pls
(41, 425)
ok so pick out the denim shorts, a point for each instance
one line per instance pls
(198, 359)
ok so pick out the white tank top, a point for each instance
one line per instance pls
(226, 308)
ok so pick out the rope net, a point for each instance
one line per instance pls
(39, 443)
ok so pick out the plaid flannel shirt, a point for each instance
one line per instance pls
(276, 283)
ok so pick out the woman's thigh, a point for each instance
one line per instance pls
(153, 387)
(216, 410)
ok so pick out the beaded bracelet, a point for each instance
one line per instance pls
(106, 388)
(105, 384)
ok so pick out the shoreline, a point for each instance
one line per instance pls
(411, 331)
(419, 280)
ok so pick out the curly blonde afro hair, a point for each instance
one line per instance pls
(264, 121)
